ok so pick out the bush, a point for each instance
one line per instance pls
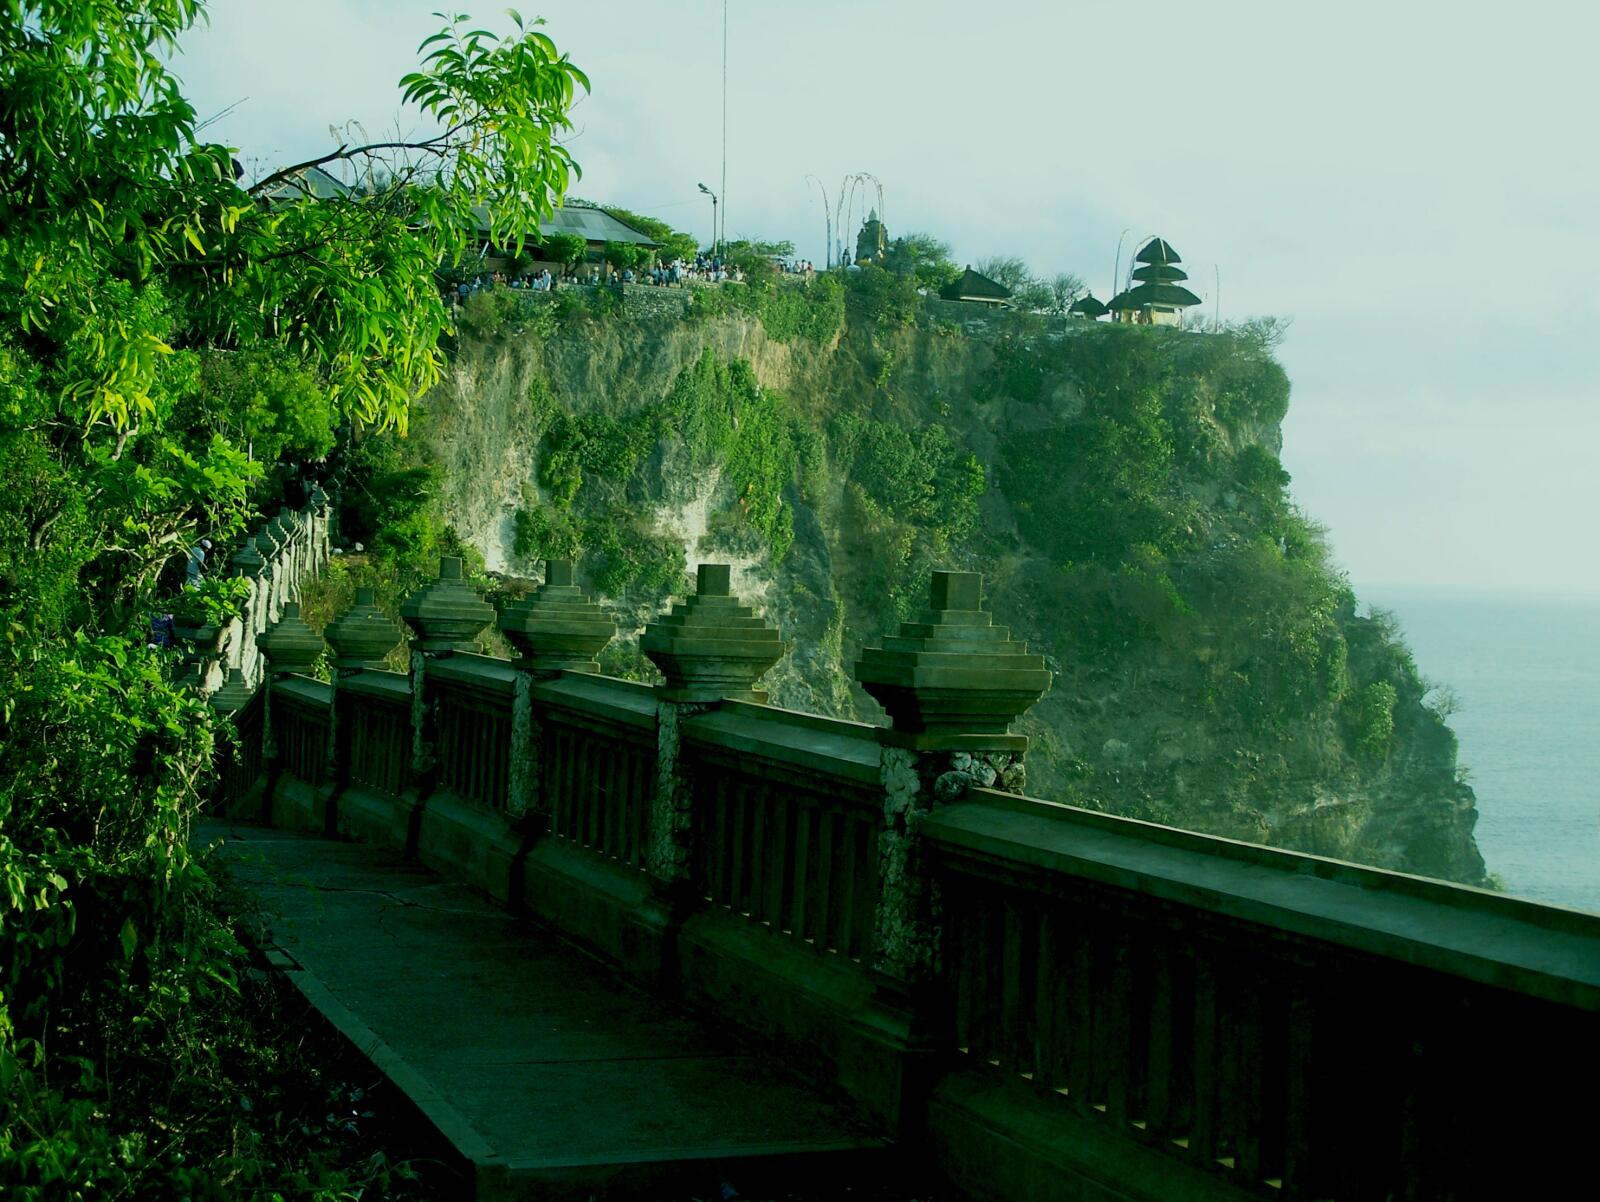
(486, 312)
(884, 298)
(1372, 722)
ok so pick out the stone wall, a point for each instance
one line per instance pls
(1050, 1003)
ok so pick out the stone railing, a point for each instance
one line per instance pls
(1051, 1003)
(276, 560)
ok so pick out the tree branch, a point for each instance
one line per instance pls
(431, 145)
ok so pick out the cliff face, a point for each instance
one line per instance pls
(1119, 489)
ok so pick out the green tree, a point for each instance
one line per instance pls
(923, 257)
(620, 255)
(163, 331)
(566, 249)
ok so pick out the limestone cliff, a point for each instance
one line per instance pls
(1119, 488)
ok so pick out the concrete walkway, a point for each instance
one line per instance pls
(551, 1075)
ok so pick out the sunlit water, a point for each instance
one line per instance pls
(1527, 673)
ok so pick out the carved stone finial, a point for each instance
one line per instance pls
(711, 646)
(234, 694)
(556, 626)
(447, 615)
(248, 560)
(363, 635)
(269, 541)
(290, 645)
(319, 499)
(953, 680)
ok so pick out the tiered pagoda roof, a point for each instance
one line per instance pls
(1158, 286)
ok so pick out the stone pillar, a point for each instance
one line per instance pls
(285, 527)
(710, 648)
(555, 629)
(446, 617)
(270, 546)
(248, 564)
(952, 683)
(321, 509)
(290, 647)
(234, 694)
(362, 638)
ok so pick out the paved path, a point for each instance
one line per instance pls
(550, 1074)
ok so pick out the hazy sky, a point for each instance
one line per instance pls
(1412, 182)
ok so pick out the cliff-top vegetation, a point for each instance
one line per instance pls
(1119, 487)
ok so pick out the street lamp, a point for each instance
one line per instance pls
(716, 243)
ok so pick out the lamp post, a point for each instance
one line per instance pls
(716, 242)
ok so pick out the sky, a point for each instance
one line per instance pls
(1412, 183)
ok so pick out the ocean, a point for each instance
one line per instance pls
(1527, 675)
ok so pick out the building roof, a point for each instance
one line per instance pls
(1167, 296)
(1160, 273)
(1087, 306)
(309, 182)
(1157, 250)
(595, 225)
(590, 224)
(972, 286)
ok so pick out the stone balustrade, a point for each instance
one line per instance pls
(1053, 1003)
(277, 559)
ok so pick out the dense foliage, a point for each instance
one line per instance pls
(171, 343)
(1119, 487)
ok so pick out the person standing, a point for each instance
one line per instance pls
(195, 569)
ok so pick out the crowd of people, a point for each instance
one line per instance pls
(702, 269)
(538, 281)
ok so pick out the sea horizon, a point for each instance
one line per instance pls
(1525, 668)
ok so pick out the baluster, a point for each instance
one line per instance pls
(478, 731)
(1080, 1012)
(566, 795)
(1119, 1045)
(627, 822)
(502, 764)
(990, 954)
(721, 837)
(1012, 1019)
(550, 778)
(1046, 1000)
(1203, 1131)
(621, 815)
(595, 776)
(755, 888)
(961, 923)
(643, 796)
(800, 896)
(778, 865)
(866, 884)
(1417, 1180)
(1299, 1103)
(600, 775)
(1251, 1081)
(1158, 1087)
(823, 898)
(844, 912)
